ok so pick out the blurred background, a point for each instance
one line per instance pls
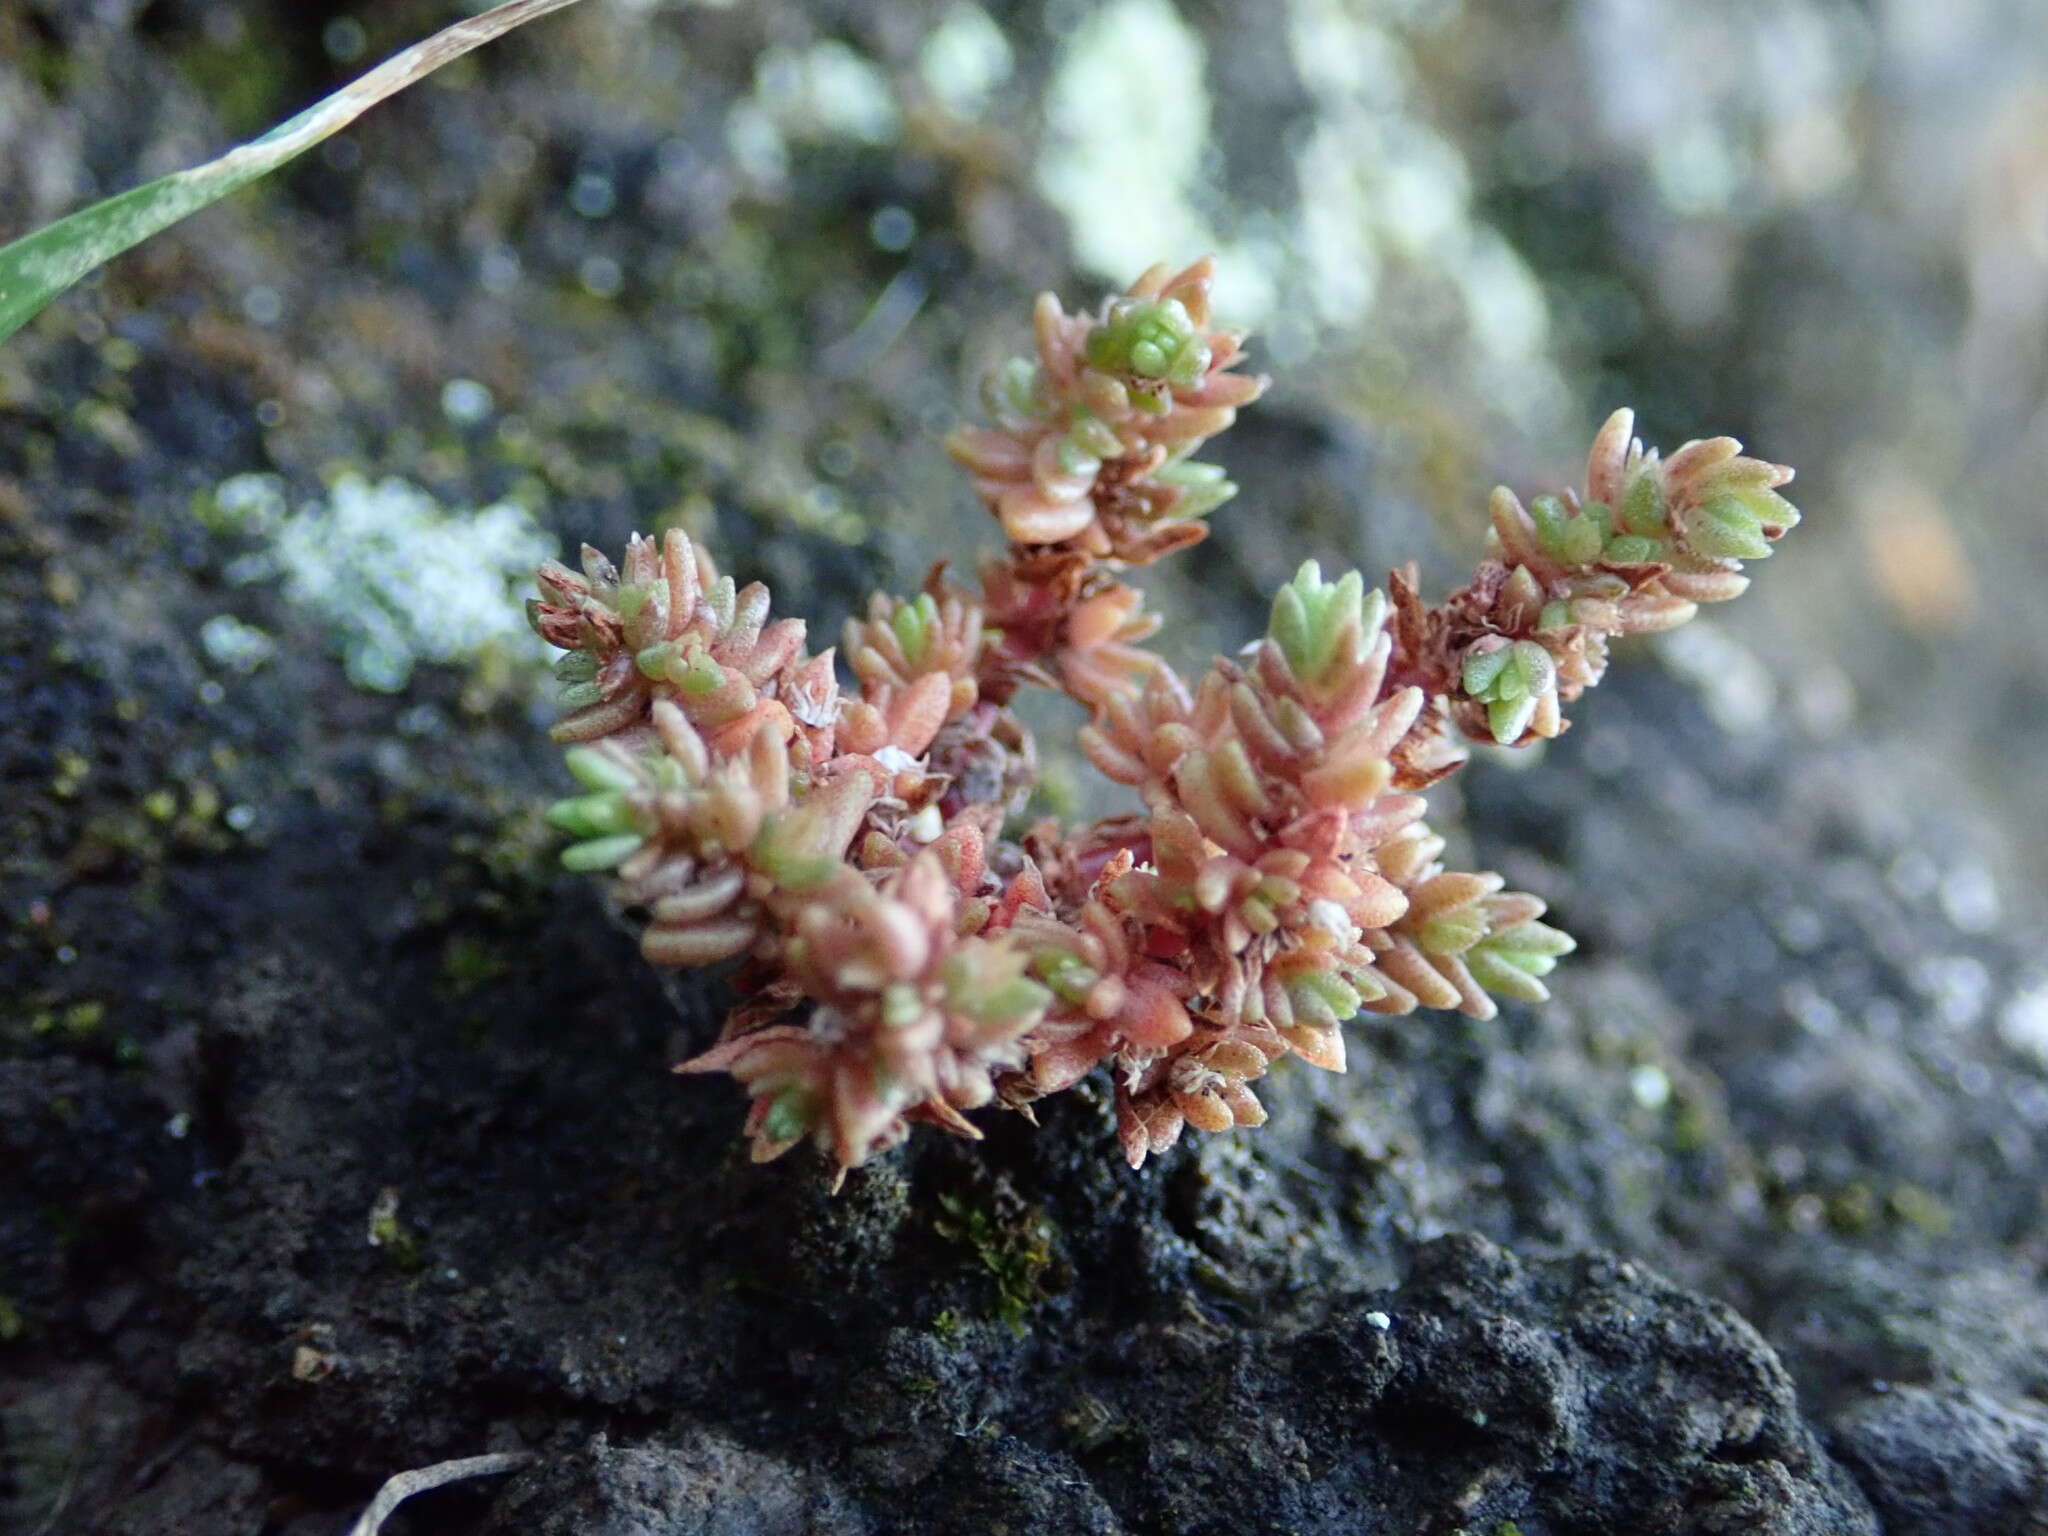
(737, 265)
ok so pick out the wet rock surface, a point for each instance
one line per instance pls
(334, 1128)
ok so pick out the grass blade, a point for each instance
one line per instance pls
(37, 268)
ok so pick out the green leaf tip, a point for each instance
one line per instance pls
(595, 769)
(601, 853)
(1455, 931)
(1512, 962)
(1069, 976)
(1725, 529)
(1312, 616)
(1633, 549)
(605, 814)
(1150, 339)
(791, 1114)
(1565, 537)
(1203, 487)
(1013, 394)
(986, 982)
(1324, 998)
(913, 624)
(1643, 507)
(1511, 681)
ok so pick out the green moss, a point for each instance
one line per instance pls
(468, 963)
(239, 75)
(1852, 1210)
(1213, 1277)
(79, 1021)
(1922, 1208)
(72, 771)
(182, 818)
(1692, 1127)
(397, 1241)
(1015, 1250)
(49, 66)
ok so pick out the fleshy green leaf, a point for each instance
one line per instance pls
(1098, 438)
(1203, 487)
(1324, 997)
(601, 853)
(902, 1005)
(695, 673)
(1310, 616)
(789, 1116)
(1075, 459)
(1643, 507)
(1726, 529)
(1498, 974)
(1482, 670)
(1633, 549)
(1580, 544)
(1771, 510)
(913, 624)
(1508, 718)
(605, 814)
(1149, 339)
(1512, 961)
(599, 770)
(1455, 931)
(1289, 627)
(1068, 976)
(1535, 667)
(1014, 394)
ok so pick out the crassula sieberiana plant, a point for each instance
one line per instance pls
(911, 954)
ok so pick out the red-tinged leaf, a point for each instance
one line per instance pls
(722, 1056)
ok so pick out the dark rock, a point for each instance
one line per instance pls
(1948, 1462)
(697, 1484)
(1581, 1394)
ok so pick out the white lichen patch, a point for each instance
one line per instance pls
(1384, 227)
(230, 643)
(964, 58)
(1649, 1086)
(1128, 121)
(2023, 1022)
(824, 92)
(395, 578)
(1959, 987)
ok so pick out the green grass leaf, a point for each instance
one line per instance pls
(35, 269)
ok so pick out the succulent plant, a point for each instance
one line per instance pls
(907, 957)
